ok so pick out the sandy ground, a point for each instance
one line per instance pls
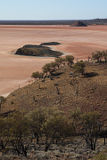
(15, 71)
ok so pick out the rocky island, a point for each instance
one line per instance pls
(37, 50)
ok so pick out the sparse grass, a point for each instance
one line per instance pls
(79, 92)
(101, 156)
(65, 92)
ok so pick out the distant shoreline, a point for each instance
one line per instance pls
(52, 22)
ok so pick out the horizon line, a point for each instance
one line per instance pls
(50, 19)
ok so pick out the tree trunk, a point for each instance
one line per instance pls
(104, 140)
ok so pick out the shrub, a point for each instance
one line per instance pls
(60, 61)
(91, 125)
(56, 128)
(100, 56)
(101, 156)
(79, 67)
(19, 134)
(105, 56)
(2, 100)
(49, 68)
(45, 126)
(5, 133)
(69, 60)
(37, 119)
(97, 56)
(37, 75)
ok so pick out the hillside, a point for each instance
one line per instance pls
(65, 92)
(58, 116)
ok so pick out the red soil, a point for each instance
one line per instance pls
(16, 70)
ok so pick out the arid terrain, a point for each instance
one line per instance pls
(15, 71)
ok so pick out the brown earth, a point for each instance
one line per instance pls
(64, 92)
(15, 71)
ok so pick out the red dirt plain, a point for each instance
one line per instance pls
(15, 71)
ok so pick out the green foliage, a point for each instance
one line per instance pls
(19, 133)
(49, 68)
(88, 125)
(101, 156)
(37, 119)
(105, 56)
(60, 61)
(75, 117)
(56, 127)
(97, 56)
(5, 127)
(14, 131)
(69, 60)
(2, 100)
(79, 67)
(50, 124)
(91, 126)
(46, 126)
(46, 68)
(37, 75)
(100, 56)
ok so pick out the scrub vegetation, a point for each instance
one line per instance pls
(64, 109)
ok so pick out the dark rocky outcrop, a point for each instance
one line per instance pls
(50, 43)
(37, 50)
(79, 24)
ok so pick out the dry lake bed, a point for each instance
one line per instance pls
(15, 71)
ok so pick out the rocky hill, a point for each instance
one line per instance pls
(64, 91)
(79, 24)
(57, 109)
(37, 50)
